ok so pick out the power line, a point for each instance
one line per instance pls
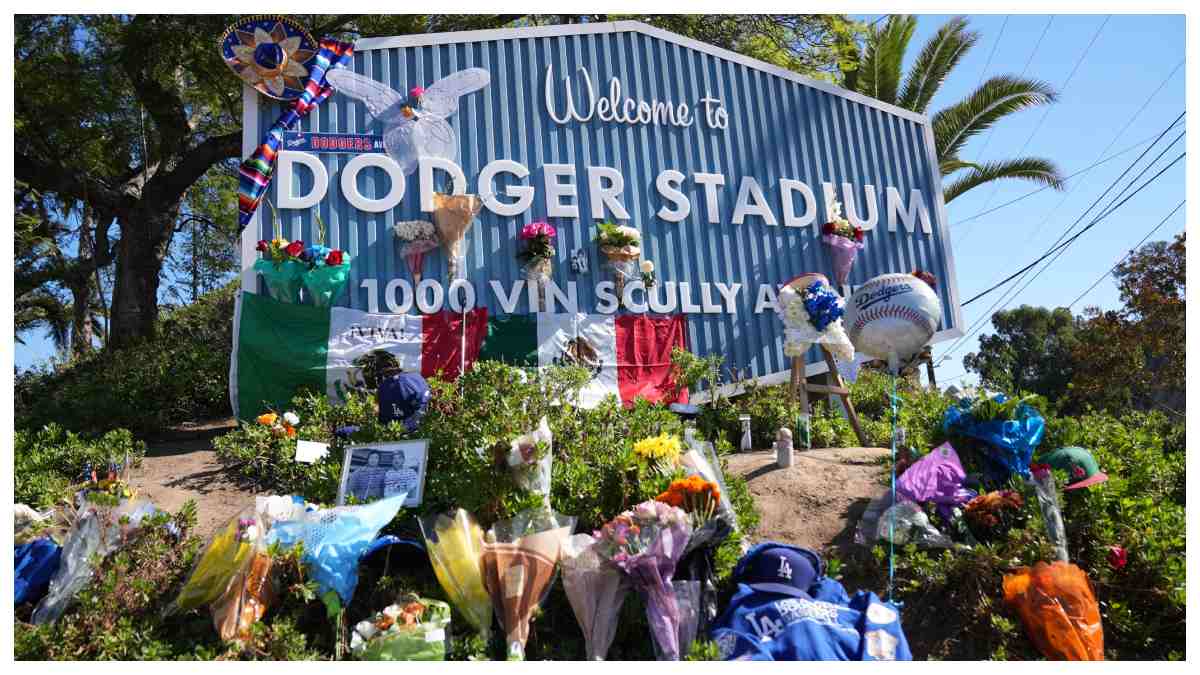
(1102, 195)
(1089, 226)
(1046, 113)
(988, 139)
(1060, 250)
(1031, 193)
(1124, 257)
(995, 45)
(977, 325)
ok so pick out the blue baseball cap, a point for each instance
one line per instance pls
(772, 567)
(403, 397)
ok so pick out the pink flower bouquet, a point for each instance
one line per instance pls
(646, 543)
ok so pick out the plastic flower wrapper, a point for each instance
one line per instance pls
(334, 540)
(224, 558)
(520, 560)
(325, 282)
(1059, 610)
(413, 629)
(415, 238)
(661, 452)
(530, 458)
(812, 312)
(596, 590)
(248, 596)
(453, 215)
(646, 543)
(702, 458)
(621, 246)
(284, 280)
(98, 530)
(455, 545)
(701, 499)
(687, 598)
(844, 240)
(910, 525)
(1047, 494)
(937, 477)
(1011, 428)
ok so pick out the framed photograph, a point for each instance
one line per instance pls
(380, 470)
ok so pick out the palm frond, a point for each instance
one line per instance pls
(996, 98)
(1034, 169)
(42, 309)
(938, 57)
(951, 164)
(880, 69)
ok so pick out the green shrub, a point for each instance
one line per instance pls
(47, 460)
(180, 375)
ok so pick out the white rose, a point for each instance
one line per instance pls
(291, 418)
(647, 266)
(630, 232)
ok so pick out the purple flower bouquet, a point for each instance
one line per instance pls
(646, 543)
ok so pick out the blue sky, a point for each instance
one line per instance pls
(1129, 59)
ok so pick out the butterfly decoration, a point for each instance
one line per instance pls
(414, 126)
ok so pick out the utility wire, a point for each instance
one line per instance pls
(988, 139)
(1045, 113)
(1126, 256)
(977, 325)
(1060, 249)
(1031, 193)
(995, 45)
(1056, 246)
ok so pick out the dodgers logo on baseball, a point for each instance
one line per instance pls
(892, 316)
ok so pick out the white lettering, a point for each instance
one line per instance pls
(569, 301)
(349, 183)
(852, 211)
(687, 306)
(668, 183)
(729, 294)
(669, 302)
(428, 164)
(425, 303)
(287, 160)
(627, 297)
(916, 201)
(749, 191)
(601, 196)
(555, 190)
(508, 303)
(710, 181)
(468, 293)
(790, 219)
(522, 193)
(608, 300)
(768, 298)
(406, 294)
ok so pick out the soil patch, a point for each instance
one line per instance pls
(174, 472)
(818, 501)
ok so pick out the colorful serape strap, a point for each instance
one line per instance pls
(258, 168)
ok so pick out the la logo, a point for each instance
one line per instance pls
(785, 570)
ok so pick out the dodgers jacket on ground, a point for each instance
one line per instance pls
(786, 609)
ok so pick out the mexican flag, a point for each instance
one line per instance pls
(280, 348)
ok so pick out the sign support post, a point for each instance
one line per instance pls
(800, 388)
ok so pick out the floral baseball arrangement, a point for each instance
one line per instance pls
(415, 239)
(814, 314)
(621, 245)
(844, 240)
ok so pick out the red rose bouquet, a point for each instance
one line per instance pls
(844, 239)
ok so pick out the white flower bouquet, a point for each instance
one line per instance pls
(415, 239)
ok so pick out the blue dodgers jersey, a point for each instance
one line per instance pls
(761, 626)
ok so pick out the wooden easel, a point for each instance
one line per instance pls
(800, 386)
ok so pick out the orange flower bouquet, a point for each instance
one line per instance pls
(699, 497)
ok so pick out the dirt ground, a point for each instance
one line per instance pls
(816, 502)
(175, 471)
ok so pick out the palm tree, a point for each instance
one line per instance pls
(879, 75)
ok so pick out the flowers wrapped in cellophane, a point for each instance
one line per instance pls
(811, 312)
(453, 215)
(455, 545)
(415, 238)
(520, 561)
(621, 245)
(596, 589)
(411, 630)
(530, 458)
(646, 543)
(107, 516)
(844, 240)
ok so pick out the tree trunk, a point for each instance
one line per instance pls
(145, 238)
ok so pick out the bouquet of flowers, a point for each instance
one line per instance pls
(455, 545)
(529, 459)
(660, 453)
(539, 249)
(328, 269)
(280, 425)
(844, 241)
(621, 245)
(520, 561)
(413, 630)
(415, 238)
(698, 497)
(993, 514)
(596, 589)
(648, 278)
(453, 215)
(646, 543)
(812, 312)
(281, 266)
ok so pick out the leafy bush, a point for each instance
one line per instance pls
(47, 460)
(180, 375)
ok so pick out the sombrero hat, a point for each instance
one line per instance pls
(270, 53)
